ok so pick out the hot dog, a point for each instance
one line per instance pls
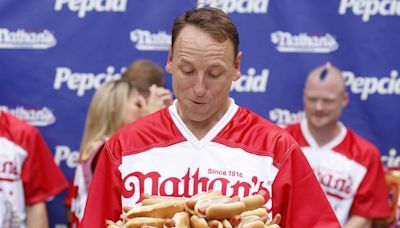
(218, 207)
(142, 221)
(159, 210)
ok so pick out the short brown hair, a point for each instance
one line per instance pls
(145, 73)
(211, 20)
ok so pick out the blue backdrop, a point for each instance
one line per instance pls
(55, 53)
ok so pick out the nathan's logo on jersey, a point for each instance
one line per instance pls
(82, 82)
(392, 160)
(368, 8)
(283, 117)
(335, 183)
(37, 117)
(188, 185)
(65, 154)
(84, 6)
(304, 42)
(144, 40)
(369, 85)
(26, 39)
(8, 170)
(251, 82)
(237, 6)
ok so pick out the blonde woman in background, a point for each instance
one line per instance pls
(114, 105)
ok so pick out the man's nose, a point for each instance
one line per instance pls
(199, 87)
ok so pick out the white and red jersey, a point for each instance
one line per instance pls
(28, 173)
(78, 190)
(241, 155)
(349, 170)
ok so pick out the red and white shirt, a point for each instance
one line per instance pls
(28, 173)
(349, 170)
(241, 155)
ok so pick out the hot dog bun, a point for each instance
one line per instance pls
(142, 221)
(182, 220)
(159, 210)
(197, 222)
(253, 202)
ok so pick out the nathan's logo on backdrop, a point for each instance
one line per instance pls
(392, 160)
(82, 82)
(64, 154)
(84, 6)
(283, 117)
(304, 42)
(251, 82)
(26, 39)
(146, 41)
(237, 6)
(368, 85)
(368, 8)
(37, 117)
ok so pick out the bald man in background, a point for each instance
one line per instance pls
(347, 166)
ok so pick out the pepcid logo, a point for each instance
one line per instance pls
(251, 82)
(82, 82)
(304, 42)
(237, 6)
(37, 117)
(26, 39)
(392, 160)
(369, 85)
(283, 117)
(84, 6)
(368, 8)
(64, 154)
(144, 40)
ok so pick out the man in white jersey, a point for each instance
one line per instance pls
(28, 175)
(348, 167)
(204, 140)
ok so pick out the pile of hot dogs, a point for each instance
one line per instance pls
(209, 209)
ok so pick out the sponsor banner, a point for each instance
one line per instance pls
(283, 117)
(304, 42)
(365, 86)
(26, 39)
(38, 117)
(145, 40)
(251, 82)
(392, 159)
(82, 7)
(64, 154)
(81, 82)
(366, 9)
(237, 6)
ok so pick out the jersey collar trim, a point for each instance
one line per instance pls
(213, 131)
(313, 143)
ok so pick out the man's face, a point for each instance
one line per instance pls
(324, 101)
(202, 73)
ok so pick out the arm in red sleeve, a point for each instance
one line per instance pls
(297, 195)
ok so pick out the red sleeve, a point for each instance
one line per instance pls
(104, 197)
(372, 196)
(297, 195)
(41, 177)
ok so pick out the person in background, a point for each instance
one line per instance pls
(347, 166)
(146, 73)
(28, 175)
(115, 104)
(204, 140)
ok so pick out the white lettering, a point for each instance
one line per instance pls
(82, 82)
(251, 82)
(368, 8)
(366, 86)
(85, 6)
(64, 153)
(239, 6)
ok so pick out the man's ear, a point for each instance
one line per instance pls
(168, 66)
(237, 66)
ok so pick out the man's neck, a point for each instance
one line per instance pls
(324, 135)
